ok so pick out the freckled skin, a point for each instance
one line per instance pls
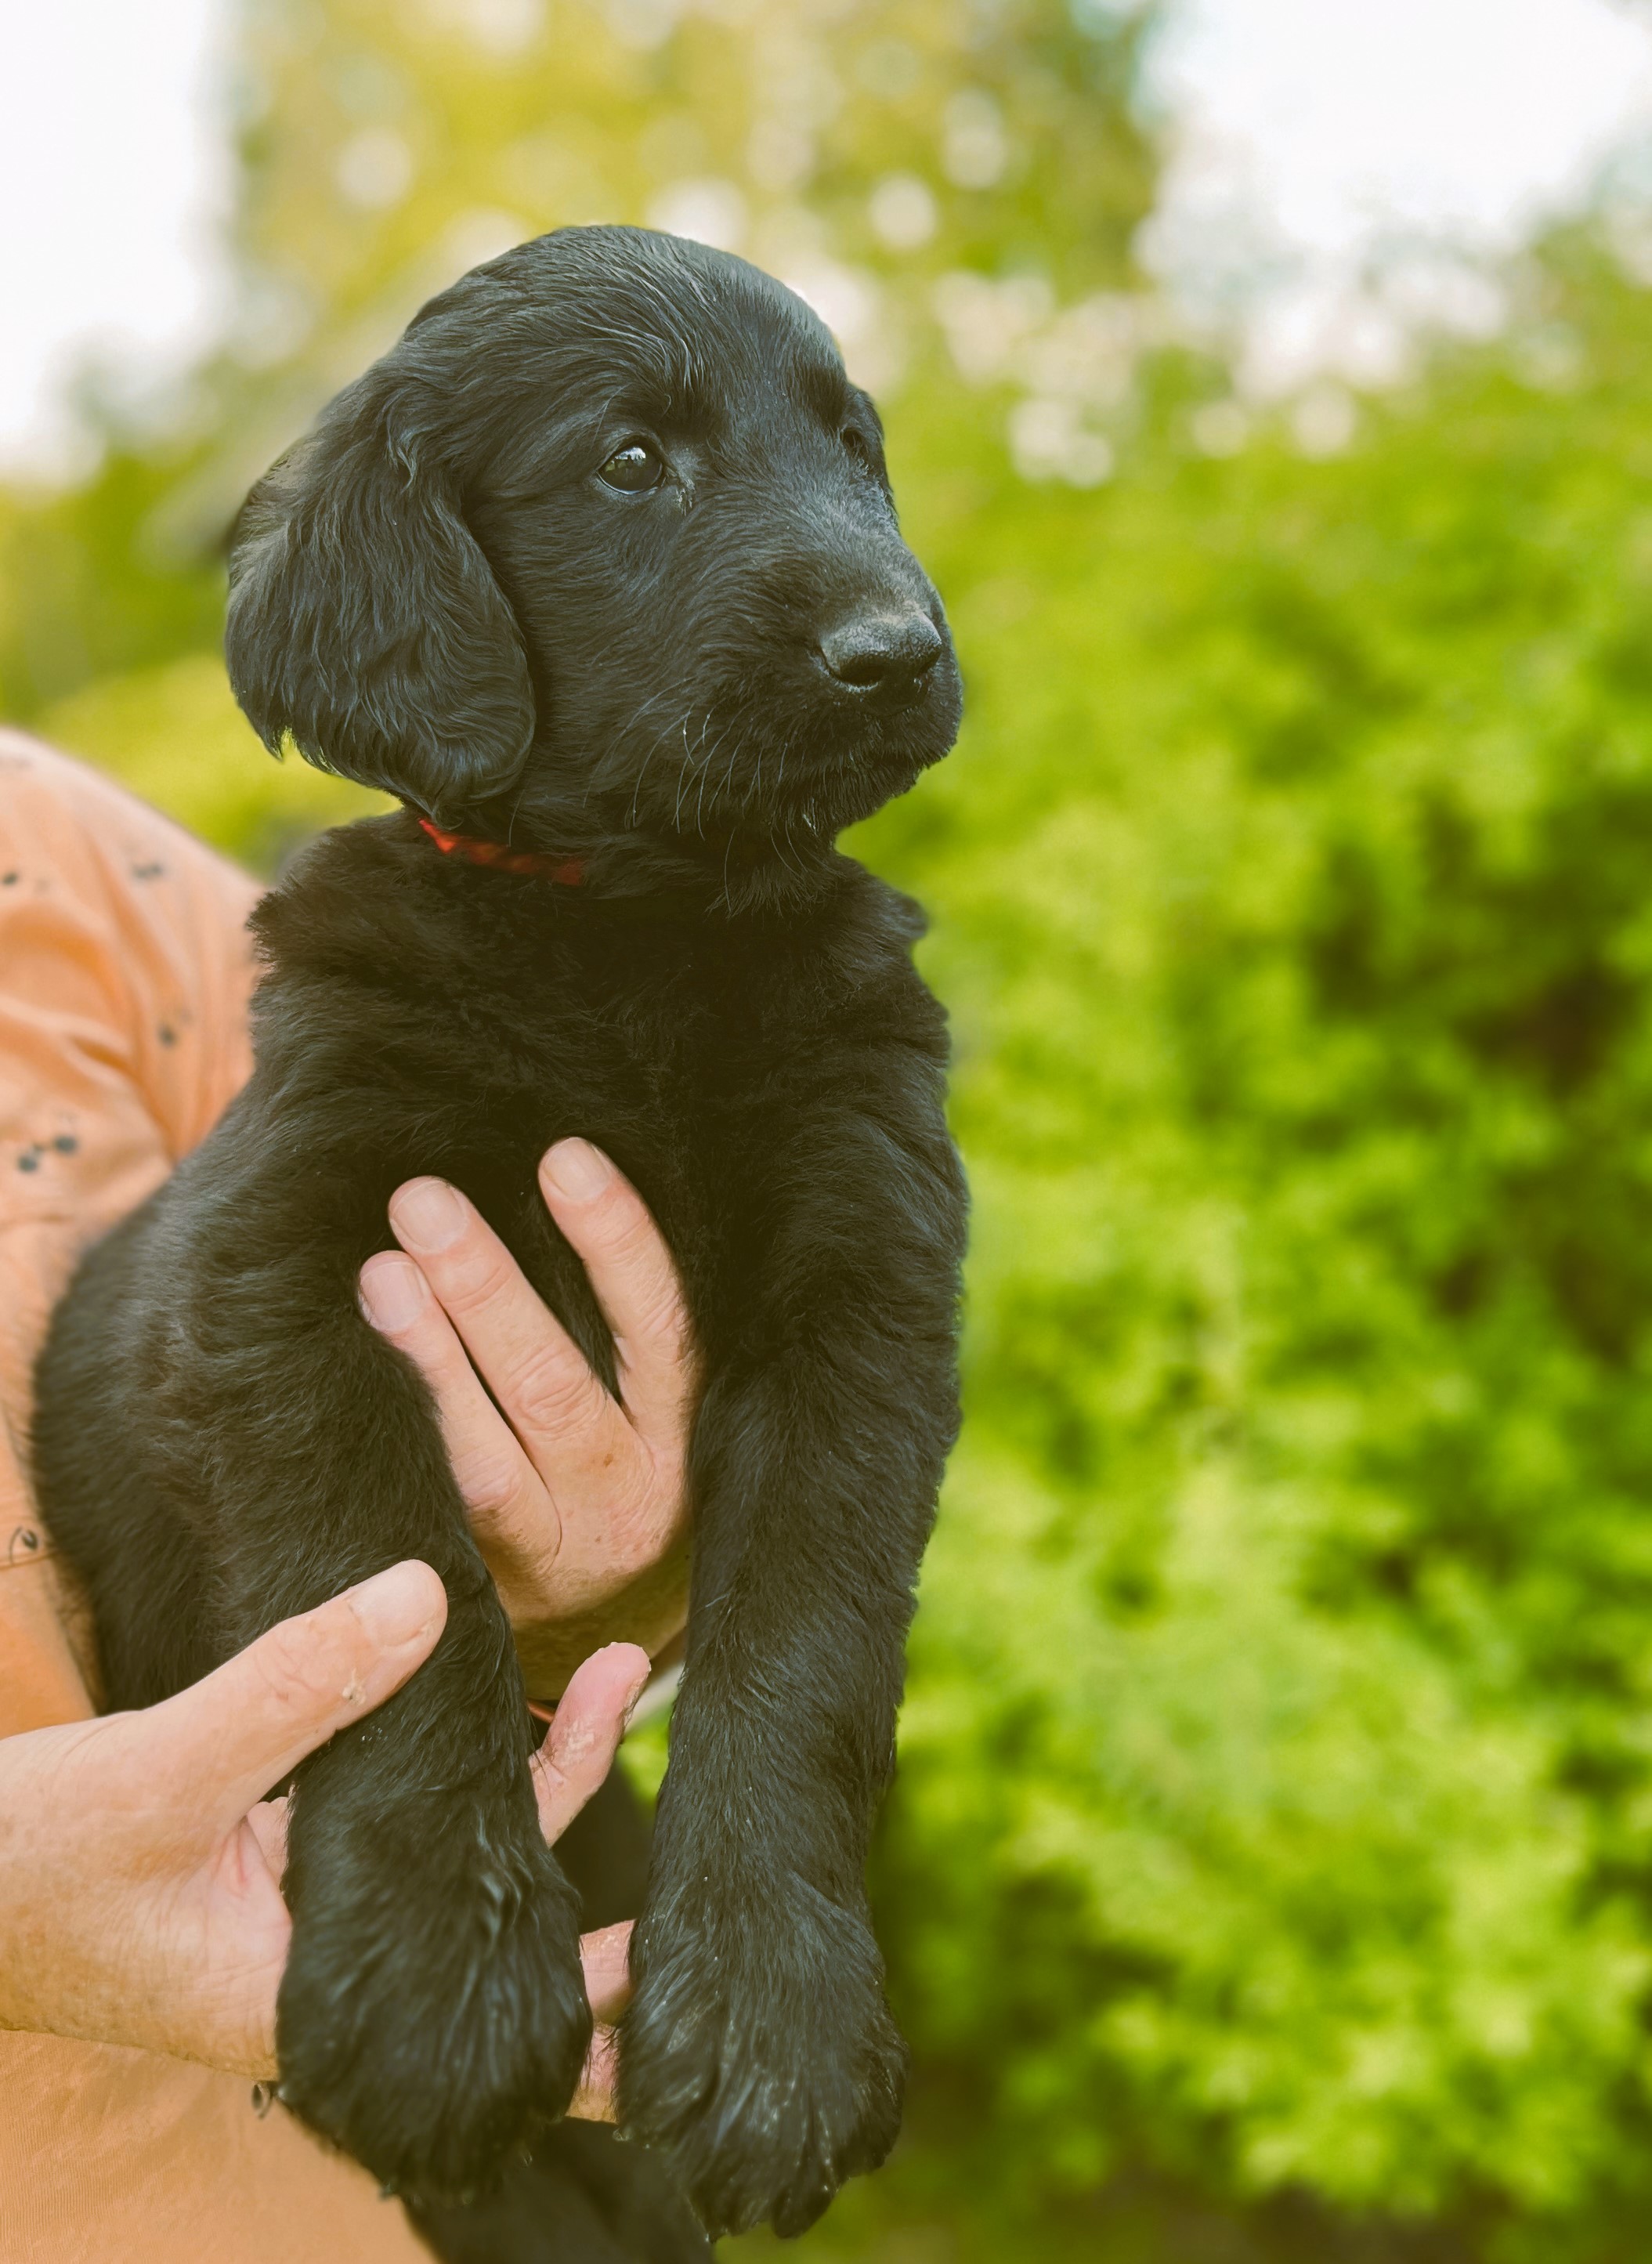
(688, 682)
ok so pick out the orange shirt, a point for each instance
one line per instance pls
(123, 980)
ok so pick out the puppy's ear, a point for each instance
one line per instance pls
(365, 621)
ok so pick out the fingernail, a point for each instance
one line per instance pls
(393, 1292)
(428, 1213)
(397, 1605)
(644, 1676)
(577, 1171)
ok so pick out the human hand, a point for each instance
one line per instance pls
(577, 1500)
(139, 1864)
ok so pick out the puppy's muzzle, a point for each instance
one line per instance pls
(883, 659)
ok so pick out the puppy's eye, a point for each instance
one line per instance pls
(634, 468)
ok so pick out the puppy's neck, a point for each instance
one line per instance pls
(727, 872)
(531, 864)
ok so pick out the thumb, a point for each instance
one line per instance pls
(233, 1735)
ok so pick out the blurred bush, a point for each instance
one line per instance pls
(175, 736)
(1276, 1803)
(1270, 1873)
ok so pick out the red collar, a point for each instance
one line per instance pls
(567, 871)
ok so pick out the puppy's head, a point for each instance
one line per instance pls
(601, 555)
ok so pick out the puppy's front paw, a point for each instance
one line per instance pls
(433, 2009)
(758, 2052)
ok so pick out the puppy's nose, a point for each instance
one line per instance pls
(886, 655)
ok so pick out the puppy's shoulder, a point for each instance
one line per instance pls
(871, 931)
(361, 902)
(874, 922)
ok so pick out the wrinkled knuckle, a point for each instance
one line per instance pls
(624, 1229)
(553, 1778)
(546, 1394)
(474, 1272)
(666, 1320)
(446, 1373)
(489, 1483)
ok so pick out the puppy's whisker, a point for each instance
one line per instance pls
(683, 777)
(705, 776)
(654, 749)
(655, 700)
(790, 856)
(704, 769)
(728, 771)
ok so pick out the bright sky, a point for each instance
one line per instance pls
(1312, 133)
(1471, 114)
(1325, 125)
(110, 178)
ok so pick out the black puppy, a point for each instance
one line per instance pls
(598, 567)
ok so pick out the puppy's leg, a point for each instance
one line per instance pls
(140, 1567)
(432, 2009)
(758, 2048)
(581, 2197)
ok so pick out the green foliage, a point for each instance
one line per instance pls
(176, 737)
(1276, 1779)
(90, 587)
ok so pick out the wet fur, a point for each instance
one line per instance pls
(437, 593)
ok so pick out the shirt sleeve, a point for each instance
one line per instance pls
(124, 973)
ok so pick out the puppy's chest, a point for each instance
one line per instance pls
(679, 1075)
(643, 1062)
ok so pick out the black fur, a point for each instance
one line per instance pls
(581, 2196)
(690, 689)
